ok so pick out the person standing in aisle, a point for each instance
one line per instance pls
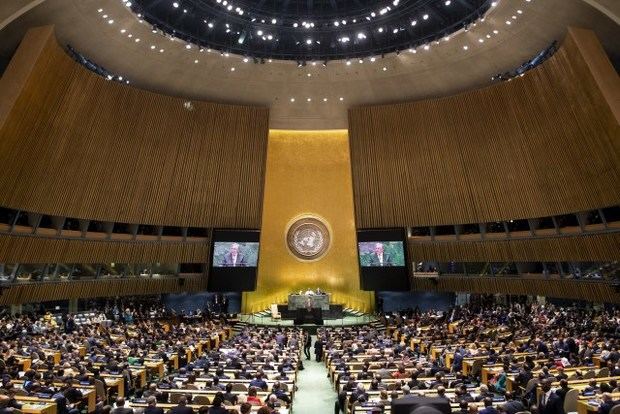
(307, 345)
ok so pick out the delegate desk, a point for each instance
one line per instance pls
(296, 301)
(167, 406)
(34, 405)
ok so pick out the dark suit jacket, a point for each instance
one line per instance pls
(122, 410)
(488, 410)
(153, 410)
(374, 260)
(179, 409)
(553, 406)
(605, 408)
(512, 407)
(228, 260)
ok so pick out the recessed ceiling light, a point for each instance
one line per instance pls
(292, 99)
(341, 98)
(232, 69)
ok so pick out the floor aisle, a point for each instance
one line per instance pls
(315, 394)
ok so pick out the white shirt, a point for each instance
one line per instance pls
(234, 259)
(380, 256)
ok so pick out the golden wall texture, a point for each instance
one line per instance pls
(308, 174)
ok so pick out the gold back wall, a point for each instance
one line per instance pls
(308, 173)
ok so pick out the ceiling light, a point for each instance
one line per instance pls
(292, 99)
(447, 2)
(324, 99)
(465, 47)
(232, 69)
(308, 41)
(175, 5)
(110, 21)
(425, 17)
(413, 23)
(341, 99)
(309, 99)
(384, 68)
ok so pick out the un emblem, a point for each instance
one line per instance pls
(308, 238)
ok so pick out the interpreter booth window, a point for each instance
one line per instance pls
(30, 272)
(85, 271)
(6, 271)
(112, 270)
(164, 269)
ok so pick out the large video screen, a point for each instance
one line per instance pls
(235, 254)
(381, 254)
(383, 259)
(234, 260)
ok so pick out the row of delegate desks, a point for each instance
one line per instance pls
(167, 406)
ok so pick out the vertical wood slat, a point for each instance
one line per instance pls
(32, 249)
(76, 145)
(586, 248)
(49, 291)
(543, 144)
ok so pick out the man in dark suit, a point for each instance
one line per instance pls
(512, 406)
(120, 407)
(549, 402)
(488, 407)
(607, 404)
(378, 257)
(152, 407)
(233, 258)
(182, 408)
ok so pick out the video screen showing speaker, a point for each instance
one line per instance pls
(383, 259)
(234, 260)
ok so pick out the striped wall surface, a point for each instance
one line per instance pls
(598, 292)
(540, 145)
(73, 144)
(51, 291)
(586, 248)
(33, 249)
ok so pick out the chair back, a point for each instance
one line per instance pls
(531, 384)
(239, 387)
(589, 375)
(274, 311)
(201, 400)
(615, 409)
(476, 368)
(175, 397)
(603, 372)
(570, 401)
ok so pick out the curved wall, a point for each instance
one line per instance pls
(73, 144)
(540, 145)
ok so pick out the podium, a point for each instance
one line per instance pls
(303, 316)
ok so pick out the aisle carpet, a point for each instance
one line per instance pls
(315, 394)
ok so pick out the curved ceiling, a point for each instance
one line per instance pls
(320, 30)
(314, 96)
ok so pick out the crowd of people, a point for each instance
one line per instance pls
(478, 358)
(545, 350)
(55, 359)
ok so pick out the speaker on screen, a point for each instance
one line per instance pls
(234, 260)
(421, 405)
(383, 259)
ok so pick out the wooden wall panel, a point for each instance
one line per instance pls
(33, 249)
(50, 291)
(543, 144)
(598, 292)
(596, 247)
(74, 144)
